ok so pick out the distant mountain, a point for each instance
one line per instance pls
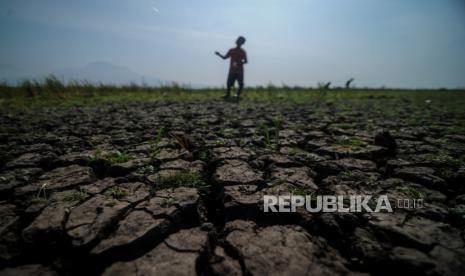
(104, 72)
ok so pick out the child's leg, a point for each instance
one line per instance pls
(240, 80)
(229, 84)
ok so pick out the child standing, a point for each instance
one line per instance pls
(236, 69)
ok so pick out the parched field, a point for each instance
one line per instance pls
(174, 185)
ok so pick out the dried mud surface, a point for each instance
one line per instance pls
(177, 189)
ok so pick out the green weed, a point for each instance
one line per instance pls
(351, 143)
(79, 195)
(413, 193)
(167, 202)
(443, 157)
(271, 141)
(297, 150)
(277, 128)
(181, 179)
(110, 157)
(298, 191)
(453, 130)
(116, 192)
(155, 143)
(204, 156)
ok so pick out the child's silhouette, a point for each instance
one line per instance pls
(236, 68)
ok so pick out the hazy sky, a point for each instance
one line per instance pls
(400, 43)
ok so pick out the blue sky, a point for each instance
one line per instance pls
(395, 43)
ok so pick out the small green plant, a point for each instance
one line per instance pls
(460, 130)
(204, 156)
(413, 193)
(343, 125)
(116, 192)
(446, 172)
(271, 139)
(111, 202)
(246, 189)
(227, 131)
(181, 179)
(242, 142)
(443, 157)
(155, 143)
(266, 135)
(347, 174)
(351, 143)
(38, 200)
(167, 202)
(269, 144)
(219, 143)
(298, 191)
(79, 195)
(277, 128)
(117, 157)
(297, 150)
(111, 157)
(96, 155)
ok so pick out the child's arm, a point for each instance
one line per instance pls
(221, 56)
(244, 61)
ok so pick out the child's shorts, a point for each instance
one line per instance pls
(233, 76)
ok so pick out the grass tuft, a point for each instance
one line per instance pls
(413, 193)
(351, 143)
(79, 195)
(116, 192)
(181, 179)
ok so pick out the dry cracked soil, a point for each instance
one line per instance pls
(176, 188)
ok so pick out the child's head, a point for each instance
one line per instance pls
(240, 41)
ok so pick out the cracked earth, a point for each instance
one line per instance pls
(174, 188)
